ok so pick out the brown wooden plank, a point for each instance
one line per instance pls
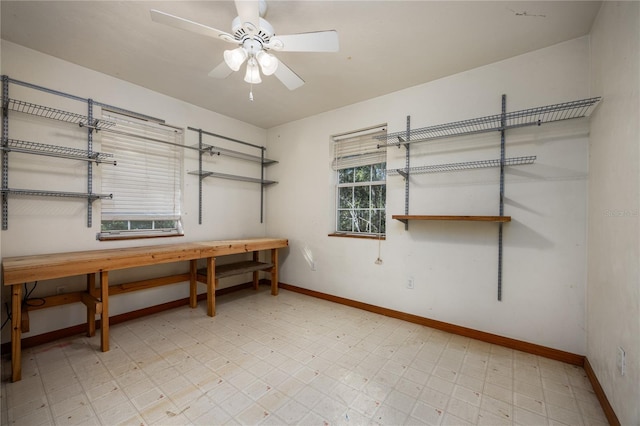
(57, 265)
(211, 284)
(221, 248)
(24, 320)
(16, 333)
(150, 283)
(104, 317)
(20, 269)
(274, 272)
(91, 313)
(193, 283)
(404, 218)
(235, 268)
(256, 258)
(93, 304)
(57, 300)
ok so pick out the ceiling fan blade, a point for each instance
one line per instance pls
(185, 24)
(288, 77)
(221, 71)
(249, 13)
(319, 41)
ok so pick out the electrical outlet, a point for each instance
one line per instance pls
(410, 283)
(60, 290)
(621, 361)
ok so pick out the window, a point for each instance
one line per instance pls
(361, 182)
(146, 182)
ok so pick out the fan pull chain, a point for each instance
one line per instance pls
(251, 92)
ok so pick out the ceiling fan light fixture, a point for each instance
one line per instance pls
(234, 58)
(253, 72)
(268, 62)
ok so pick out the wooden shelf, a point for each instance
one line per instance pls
(405, 218)
(236, 269)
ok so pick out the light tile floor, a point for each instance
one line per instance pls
(290, 359)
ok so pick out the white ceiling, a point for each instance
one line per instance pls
(385, 46)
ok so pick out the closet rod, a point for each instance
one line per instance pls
(226, 138)
(119, 132)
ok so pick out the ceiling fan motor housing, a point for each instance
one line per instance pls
(261, 35)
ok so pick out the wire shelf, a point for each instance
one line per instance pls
(40, 193)
(205, 174)
(481, 164)
(56, 114)
(526, 117)
(214, 150)
(27, 147)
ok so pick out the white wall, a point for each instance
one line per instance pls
(454, 264)
(613, 290)
(45, 225)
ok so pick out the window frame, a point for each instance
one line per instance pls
(371, 208)
(352, 151)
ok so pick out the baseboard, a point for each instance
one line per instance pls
(520, 345)
(602, 397)
(51, 336)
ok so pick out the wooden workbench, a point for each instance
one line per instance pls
(23, 269)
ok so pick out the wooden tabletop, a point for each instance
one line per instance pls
(21, 269)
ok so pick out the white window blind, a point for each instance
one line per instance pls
(146, 182)
(359, 148)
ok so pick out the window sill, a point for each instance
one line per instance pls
(362, 236)
(121, 237)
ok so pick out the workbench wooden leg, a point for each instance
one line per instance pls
(16, 332)
(104, 318)
(193, 283)
(91, 312)
(256, 282)
(211, 286)
(274, 272)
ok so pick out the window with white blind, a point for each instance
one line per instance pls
(361, 182)
(146, 182)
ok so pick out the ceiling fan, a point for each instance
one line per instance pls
(255, 37)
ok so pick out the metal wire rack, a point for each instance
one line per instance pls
(56, 114)
(527, 117)
(205, 174)
(41, 193)
(27, 147)
(513, 161)
(214, 150)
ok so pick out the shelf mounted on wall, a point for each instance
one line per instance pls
(211, 150)
(36, 148)
(492, 123)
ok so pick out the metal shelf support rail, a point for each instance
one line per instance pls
(9, 145)
(503, 123)
(213, 150)
(527, 117)
(5, 153)
(28, 147)
(89, 164)
(497, 122)
(469, 165)
(407, 161)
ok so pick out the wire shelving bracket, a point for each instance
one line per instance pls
(492, 123)
(35, 148)
(206, 149)
(57, 114)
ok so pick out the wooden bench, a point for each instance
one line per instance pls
(97, 264)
